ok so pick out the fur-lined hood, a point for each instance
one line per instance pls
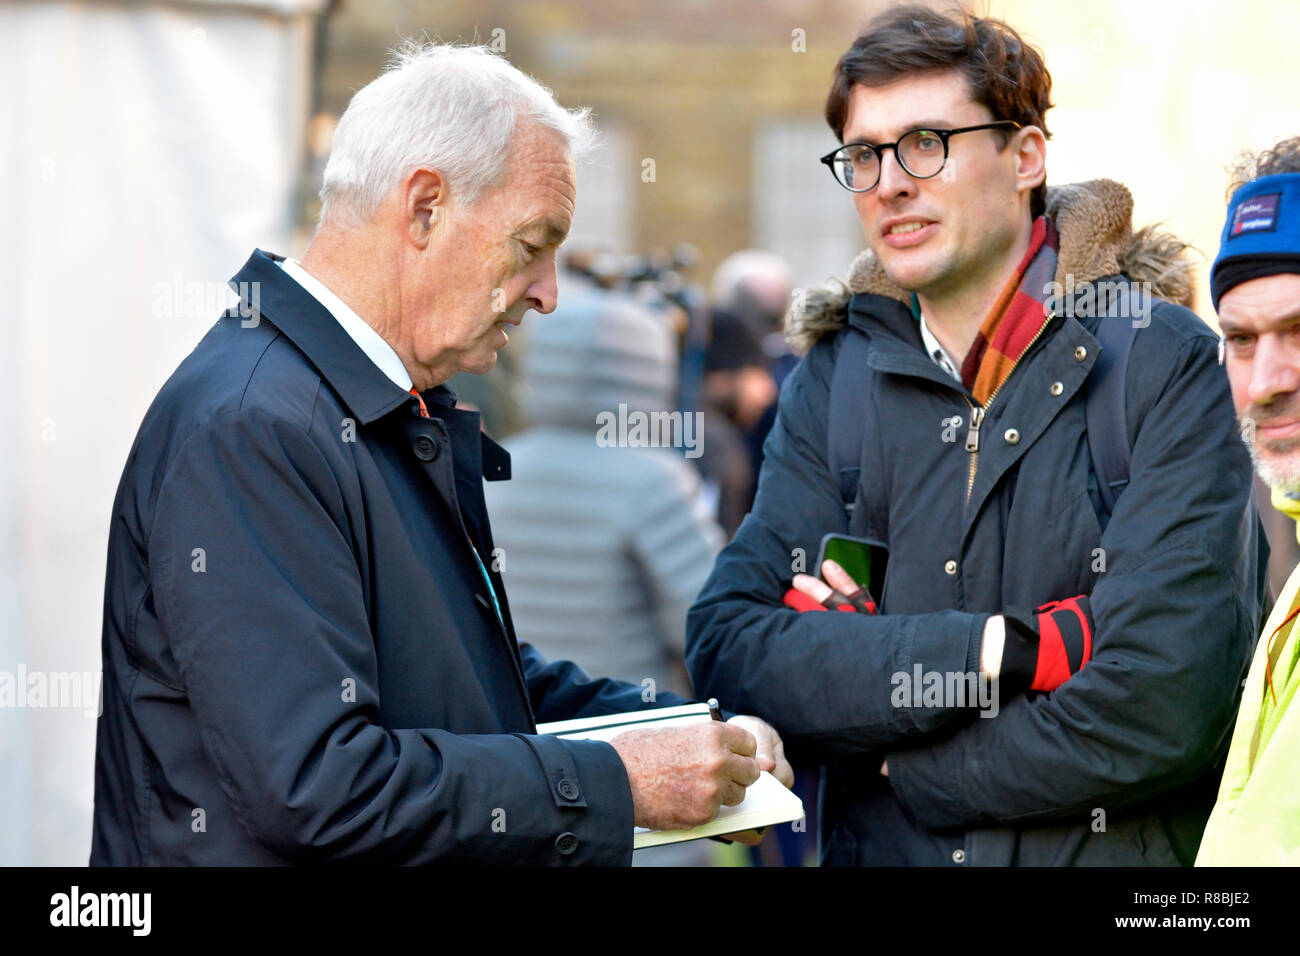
(1094, 220)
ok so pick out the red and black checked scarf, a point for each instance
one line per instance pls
(1016, 318)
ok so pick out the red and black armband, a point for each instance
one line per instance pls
(1047, 646)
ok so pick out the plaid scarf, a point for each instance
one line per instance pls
(1016, 318)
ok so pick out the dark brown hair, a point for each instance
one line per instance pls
(1004, 73)
(1281, 157)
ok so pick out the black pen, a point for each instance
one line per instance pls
(715, 711)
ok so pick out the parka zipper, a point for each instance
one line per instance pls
(977, 412)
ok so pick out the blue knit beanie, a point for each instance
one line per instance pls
(1261, 236)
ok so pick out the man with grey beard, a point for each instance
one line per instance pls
(1256, 290)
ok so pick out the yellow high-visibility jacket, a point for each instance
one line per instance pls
(1256, 820)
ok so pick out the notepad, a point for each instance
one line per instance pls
(767, 802)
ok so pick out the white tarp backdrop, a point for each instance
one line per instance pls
(145, 150)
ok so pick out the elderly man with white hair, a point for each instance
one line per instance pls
(308, 651)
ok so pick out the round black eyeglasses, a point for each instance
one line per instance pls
(922, 153)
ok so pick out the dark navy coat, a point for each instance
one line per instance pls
(1120, 764)
(301, 658)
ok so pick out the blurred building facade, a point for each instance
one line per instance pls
(711, 111)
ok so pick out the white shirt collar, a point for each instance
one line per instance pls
(367, 339)
(938, 354)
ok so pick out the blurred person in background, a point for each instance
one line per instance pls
(604, 547)
(735, 391)
(745, 363)
(755, 286)
(1255, 285)
(581, 518)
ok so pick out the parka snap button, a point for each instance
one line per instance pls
(959, 856)
(1012, 436)
(1080, 353)
(1056, 388)
(426, 449)
(950, 567)
(566, 843)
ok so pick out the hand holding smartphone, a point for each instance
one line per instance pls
(863, 561)
(852, 586)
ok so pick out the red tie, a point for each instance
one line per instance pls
(424, 409)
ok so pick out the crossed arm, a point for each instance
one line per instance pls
(1172, 619)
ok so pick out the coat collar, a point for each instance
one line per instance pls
(1094, 221)
(368, 393)
(896, 339)
(897, 347)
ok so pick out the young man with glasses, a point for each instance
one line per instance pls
(1041, 447)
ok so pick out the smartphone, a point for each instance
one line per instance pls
(864, 560)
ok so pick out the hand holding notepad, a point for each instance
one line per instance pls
(678, 775)
(681, 765)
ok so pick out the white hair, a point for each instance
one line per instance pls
(444, 106)
(740, 270)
